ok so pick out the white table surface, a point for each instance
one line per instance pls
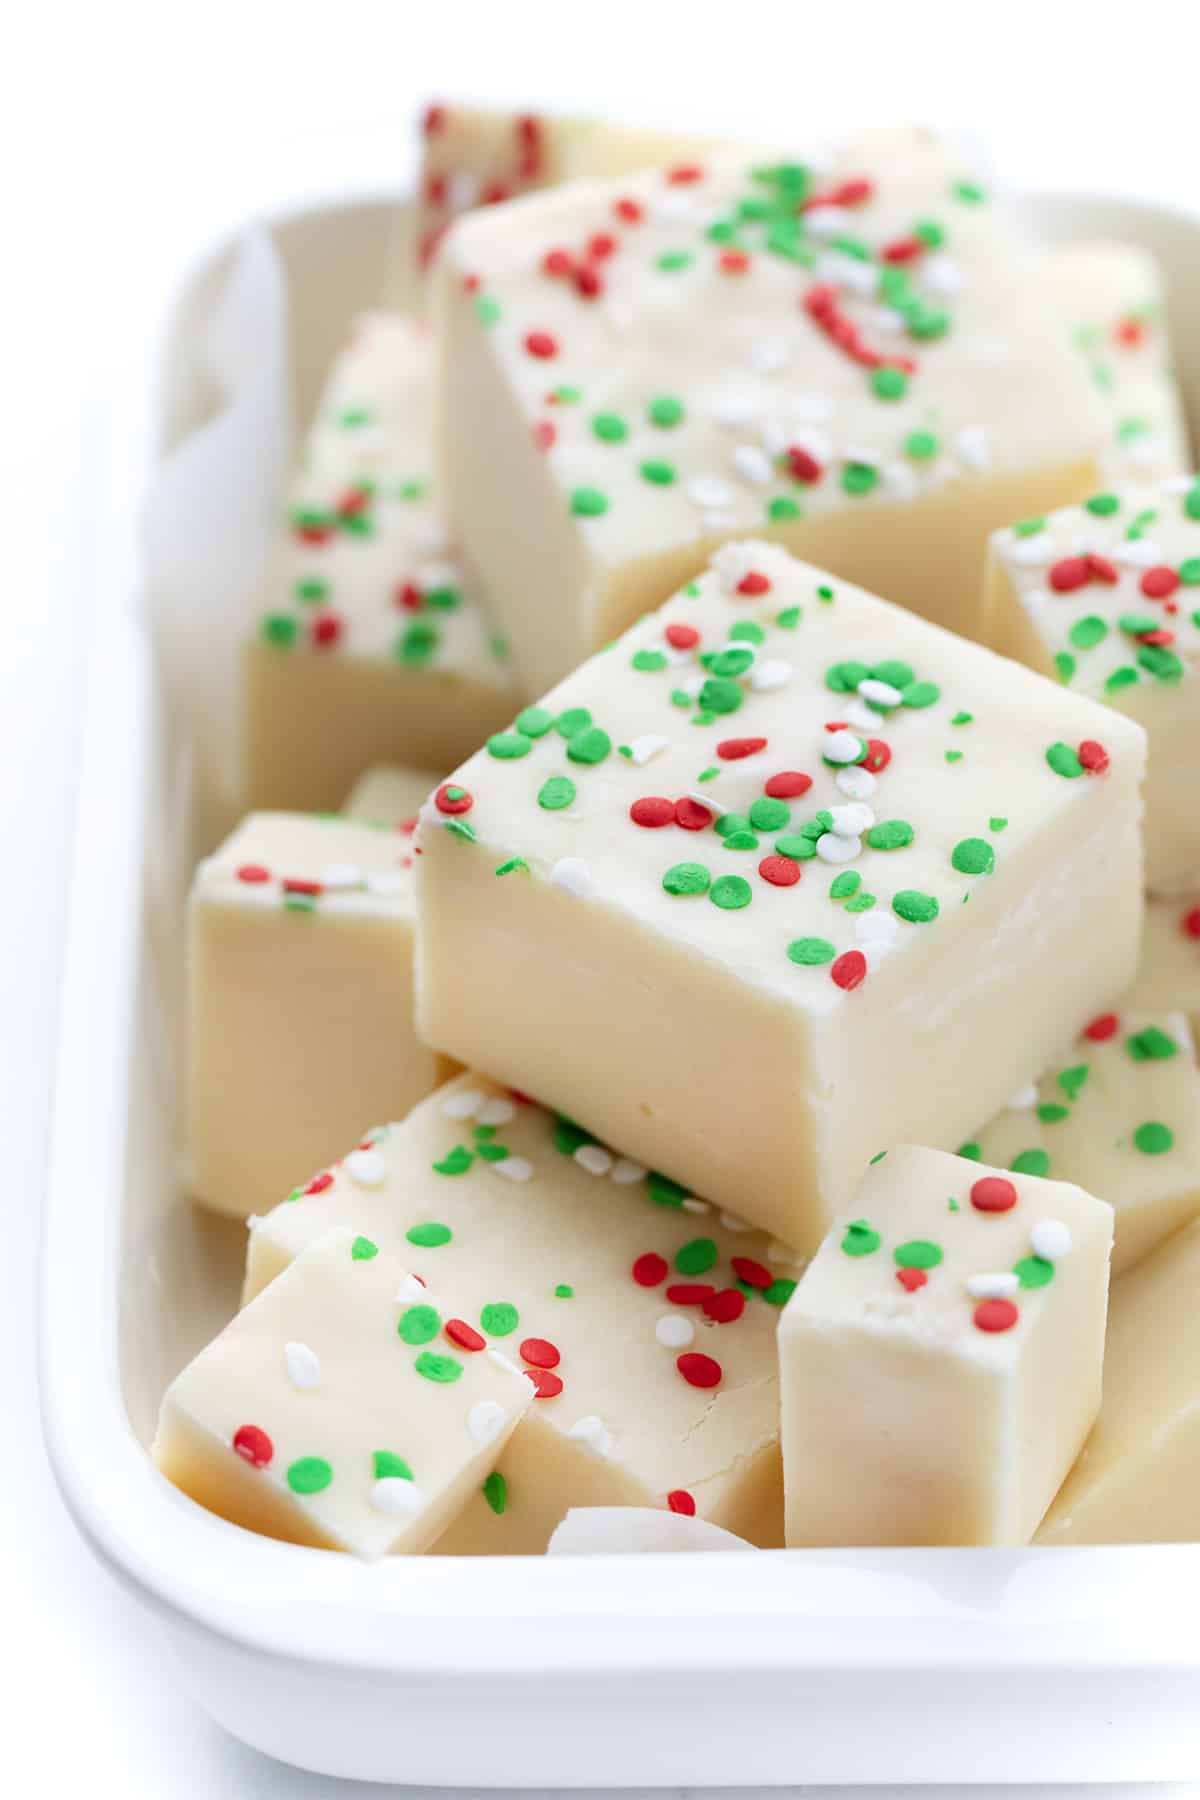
(127, 141)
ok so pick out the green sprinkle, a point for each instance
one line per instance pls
(499, 1318)
(672, 261)
(610, 428)
(665, 1192)
(1153, 1138)
(769, 815)
(740, 840)
(916, 907)
(387, 1466)
(962, 718)
(696, 1257)
(734, 661)
(825, 593)
(417, 642)
(1160, 662)
(460, 828)
(1065, 664)
(973, 856)
(430, 1236)
(811, 951)
(455, 1162)
(1033, 1271)
(1064, 761)
(362, 1249)
(859, 479)
(665, 410)
(589, 746)
(508, 746)
(921, 694)
(731, 893)
(487, 310)
(709, 774)
(877, 1158)
(997, 824)
(419, 1324)
(1073, 1079)
(918, 1253)
(1120, 678)
(648, 661)
(720, 695)
(1151, 1045)
(280, 630)
(844, 677)
(970, 1152)
(845, 884)
(511, 866)
(780, 1291)
(890, 834)
(312, 590)
(780, 509)
(299, 903)
(861, 903)
(1029, 527)
(1189, 572)
(556, 792)
(588, 502)
(860, 1239)
(1051, 1113)
(1089, 631)
(687, 878)
(747, 632)
(1191, 501)
(1030, 1162)
(564, 1291)
(495, 1492)
(443, 1369)
(309, 1475)
(1103, 505)
(653, 469)
(921, 445)
(443, 599)
(953, 756)
(969, 192)
(889, 384)
(534, 722)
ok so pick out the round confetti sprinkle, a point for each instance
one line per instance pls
(916, 907)
(779, 871)
(499, 1318)
(541, 344)
(993, 1194)
(309, 1475)
(731, 893)
(687, 878)
(769, 815)
(690, 815)
(1093, 757)
(442, 1369)
(690, 1293)
(734, 749)
(452, 799)
(650, 1269)
(1033, 1271)
(610, 428)
(918, 1253)
(429, 1236)
(588, 502)
(674, 1332)
(652, 811)
(725, 1306)
(589, 746)
(253, 1445)
(890, 834)
(655, 470)
(546, 1384)
(665, 410)
(534, 721)
(1051, 1240)
(810, 951)
(508, 746)
(860, 1239)
(419, 1325)
(682, 637)
(789, 784)
(1031, 1162)
(698, 1370)
(911, 1279)
(696, 1257)
(1100, 1029)
(995, 1315)
(1153, 1138)
(849, 970)
(253, 873)
(680, 1501)
(753, 1273)
(1068, 574)
(1064, 761)
(556, 792)
(973, 856)
(541, 1353)
(464, 1335)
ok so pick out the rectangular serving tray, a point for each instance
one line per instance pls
(768, 1668)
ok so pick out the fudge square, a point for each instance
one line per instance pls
(783, 875)
(389, 796)
(940, 1361)
(859, 360)
(1136, 1480)
(333, 1412)
(300, 954)
(646, 1318)
(1107, 596)
(372, 644)
(1120, 1116)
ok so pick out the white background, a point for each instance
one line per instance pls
(131, 134)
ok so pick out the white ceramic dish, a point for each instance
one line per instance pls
(721, 1670)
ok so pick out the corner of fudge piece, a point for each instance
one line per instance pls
(332, 1411)
(389, 796)
(941, 1358)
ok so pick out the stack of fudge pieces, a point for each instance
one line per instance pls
(744, 629)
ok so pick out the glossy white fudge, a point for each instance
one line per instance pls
(1136, 1480)
(940, 1361)
(372, 644)
(1168, 975)
(1112, 297)
(389, 796)
(1119, 1116)
(646, 1317)
(722, 877)
(855, 359)
(1107, 596)
(300, 973)
(337, 1411)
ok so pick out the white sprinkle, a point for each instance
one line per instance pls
(485, 1420)
(882, 692)
(462, 1105)
(942, 274)
(841, 747)
(692, 1205)
(302, 1365)
(388, 882)
(849, 272)
(1137, 553)
(411, 1289)
(625, 1171)
(393, 1495)
(827, 221)
(594, 1158)
(1000, 1286)
(643, 748)
(857, 712)
(674, 1332)
(856, 782)
(834, 849)
(572, 874)
(886, 318)
(1025, 1098)
(692, 686)
(771, 674)
(339, 876)
(733, 561)
(709, 491)
(1051, 1240)
(498, 1358)
(497, 1111)
(876, 927)
(732, 1222)
(974, 447)
(752, 464)
(1032, 552)
(513, 1168)
(593, 1432)
(900, 479)
(852, 820)
(768, 356)
(1179, 484)
(735, 408)
(366, 1167)
(714, 806)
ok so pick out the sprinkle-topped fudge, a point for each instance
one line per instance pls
(300, 972)
(1119, 1116)
(784, 874)
(372, 644)
(646, 1318)
(940, 1361)
(1107, 596)
(856, 358)
(1112, 297)
(1136, 1480)
(334, 1412)
(389, 796)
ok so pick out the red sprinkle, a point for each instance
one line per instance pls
(408, 596)
(434, 120)
(752, 584)
(849, 970)
(789, 784)
(1093, 756)
(1190, 923)
(691, 815)
(600, 245)
(911, 1279)
(494, 194)
(726, 1306)
(804, 465)
(995, 1315)
(545, 434)
(541, 1352)
(902, 250)
(253, 1446)
(699, 1370)
(754, 1273)
(456, 801)
(253, 872)
(589, 282)
(993, 1193)
(652, 811)
(546, 1385)
(690, 1293)
(298, 884)
(541, 343)
(1159, 583)
(878, 756)
(680, 1501)
(558, 262)
(319, 1183)
(464, 1335)
(1069, 573)
(733, 262)
(1103, 570)
(733, 749)
(682, 637)
(685, 173)
(1102, 1028)
(630, 211)
(1159, 638)
(650, 1269)
(780, 871)
(314, 534)
(326, 630)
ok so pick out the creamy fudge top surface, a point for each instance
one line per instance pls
(646, 1317)
(310, 862)
(1113, 587)
(725, 342)
(786, 775)
(367, 567)
(948, 1253)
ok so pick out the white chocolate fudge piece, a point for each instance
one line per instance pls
(940, 1361)
(1136, 1479)
(1112, 297)
(647, 1319)
(389, 796)
(338, 1410)
(722, 874)
(301, 996)
(373, 644)
(1119, 1116)
(1168, 975)
(1107, 596)
(480, 156)
(851, 360)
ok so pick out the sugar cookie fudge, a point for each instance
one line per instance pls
(300, 951)
(940, 1360)
(1107, 596)
(854, 359)
(1168, 975)
(1112, 297)
(646, 1318)
(1136, 1479)
(723, 872)
(389, 796)
(1119, 1116)
(337, 1410)
(372, 644)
